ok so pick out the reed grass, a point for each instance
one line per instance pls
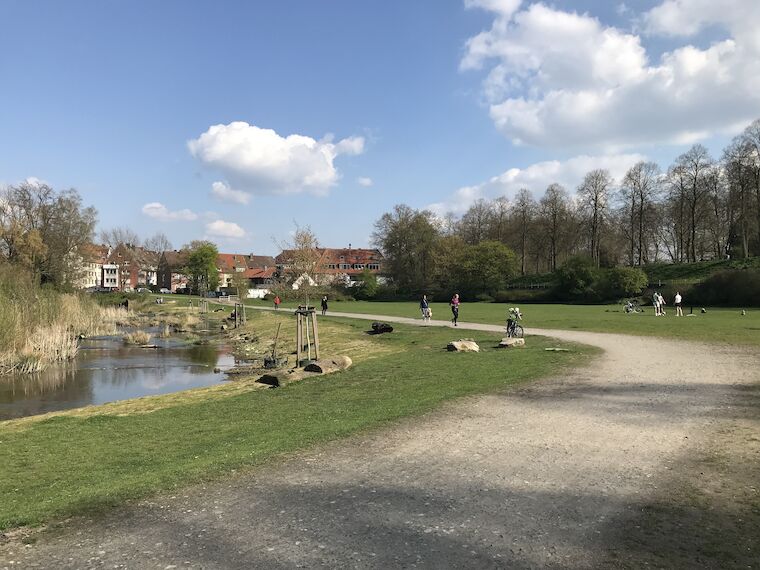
(137, 337)
(39, 326)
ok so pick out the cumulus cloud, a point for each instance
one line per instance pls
(222, 229)
(563, 79)
(364, 181)
(260, 161)
(536, 178)
(223, 192)
(158, 211)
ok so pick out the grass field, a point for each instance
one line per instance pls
(717, 325)
(74, 463)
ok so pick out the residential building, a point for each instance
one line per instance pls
(332, 265)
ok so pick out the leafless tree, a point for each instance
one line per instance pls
(593, 194)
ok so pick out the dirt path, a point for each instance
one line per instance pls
(648, 457)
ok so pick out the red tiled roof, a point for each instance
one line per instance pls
(260, 273)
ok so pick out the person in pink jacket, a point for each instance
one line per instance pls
(455, 308)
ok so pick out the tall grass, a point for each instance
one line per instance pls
(40, 326)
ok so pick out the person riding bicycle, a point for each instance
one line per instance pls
(513, 316)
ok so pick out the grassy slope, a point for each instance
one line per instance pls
(718, 325)
(70, 464)
(695, 272)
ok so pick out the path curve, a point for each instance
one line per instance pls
(563, 473)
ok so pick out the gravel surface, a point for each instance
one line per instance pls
(648, 457)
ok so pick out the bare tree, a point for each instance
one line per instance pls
(158, 243)
(695, 165)
(476, 222)
(640, 189)
(523, 214)
(554, 210)
(593, 194)
(120, 235)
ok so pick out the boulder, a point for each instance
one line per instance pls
(283, 377)
(508, 342)
(463, 345)
(327, 365)
(380, 328)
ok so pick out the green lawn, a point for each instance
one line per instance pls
(717, 325)
(67, 464)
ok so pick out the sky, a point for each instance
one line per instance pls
(237, 121)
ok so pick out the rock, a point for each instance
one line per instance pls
(327, 365)
(380, 328)
(224, 327)
(463, 346)
(217, 370)
(508, 342)
(283, 377)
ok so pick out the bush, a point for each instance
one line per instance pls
(624, 282)
(576, 278)
(484, 298)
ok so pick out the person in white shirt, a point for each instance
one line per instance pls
(677, 302)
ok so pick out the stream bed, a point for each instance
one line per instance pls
(107, 370)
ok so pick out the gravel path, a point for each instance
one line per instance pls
(648, 457)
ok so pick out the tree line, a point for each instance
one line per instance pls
(700, 207)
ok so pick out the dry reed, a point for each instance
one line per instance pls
(137, 337)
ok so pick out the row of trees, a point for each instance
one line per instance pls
(699, 208)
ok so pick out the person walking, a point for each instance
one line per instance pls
(324, 305)
(425, 308)
(277, 302)
(455, 308)
(677, 303)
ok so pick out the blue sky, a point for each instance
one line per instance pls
(430, 103)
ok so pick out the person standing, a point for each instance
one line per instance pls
(662, 304)
(277, 302)
(677, 303)
(455, 308)
(656, 303)
(324, 305)
(425, 308)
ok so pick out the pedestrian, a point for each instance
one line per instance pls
(425, 308)
(656, 303)
(324, 305)
(277, 302)
(455, 308)
(677, 303)
(662, 304)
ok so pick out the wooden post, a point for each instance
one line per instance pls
(299, 339)
(316, 334)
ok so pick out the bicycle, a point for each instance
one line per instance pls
(632, 306)
(514, 330)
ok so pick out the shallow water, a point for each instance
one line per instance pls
(107, 370)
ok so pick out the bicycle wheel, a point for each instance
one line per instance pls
(519, 332)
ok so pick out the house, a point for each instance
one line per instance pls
(260, 271)
(331, 265)
(171, 271)
(88, 263)
(136, 267)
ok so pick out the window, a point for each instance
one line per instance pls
(345, 266)
(374, 266)
(358, 266)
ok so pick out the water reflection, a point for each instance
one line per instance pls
(106, 370)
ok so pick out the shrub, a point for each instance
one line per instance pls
(484, 298)
(576, 279)
(624, 282)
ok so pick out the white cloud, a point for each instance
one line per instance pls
(222, 229)
(364, 181)
(223, 192)
(566, 80)
(158, 211)
(536, 178)
(255, 160)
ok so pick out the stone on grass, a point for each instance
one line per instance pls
(463, 345)
(327, 365)
(509, 342)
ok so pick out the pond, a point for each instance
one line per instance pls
(107, 370)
